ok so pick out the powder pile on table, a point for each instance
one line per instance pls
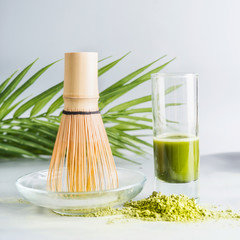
(159, 207)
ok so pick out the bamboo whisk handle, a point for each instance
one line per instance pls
(81, 75)
(80, 104)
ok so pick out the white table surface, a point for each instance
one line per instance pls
(219, 185)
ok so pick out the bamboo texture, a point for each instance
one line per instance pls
(82, 160)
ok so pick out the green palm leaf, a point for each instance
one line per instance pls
(17, 150)
(55, 105)
(129, 104)
(4, 84)
(34, 134)
(53, 90)
(113, 95)
(106, 68)
(14, 83)
(21, 89)
(128, 78)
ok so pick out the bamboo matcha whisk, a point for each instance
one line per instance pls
(82, 159)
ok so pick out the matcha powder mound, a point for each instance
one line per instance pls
(174, 208)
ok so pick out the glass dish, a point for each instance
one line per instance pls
(33, 187)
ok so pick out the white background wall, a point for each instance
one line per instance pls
(203, 35)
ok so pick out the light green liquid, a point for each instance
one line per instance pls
(176, 158)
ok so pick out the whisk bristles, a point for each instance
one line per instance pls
(82, 160)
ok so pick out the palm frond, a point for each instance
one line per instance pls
(32, 102)
(4, 84)
(110, 96)
(13, 84)
(106, 68)
(55, 105)
(126, 105)
(128, 78)
(35, 134)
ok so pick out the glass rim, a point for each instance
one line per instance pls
(41, 191)
(175, 74)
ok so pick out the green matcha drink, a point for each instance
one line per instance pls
(176, 158)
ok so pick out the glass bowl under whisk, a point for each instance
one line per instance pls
(33, 187)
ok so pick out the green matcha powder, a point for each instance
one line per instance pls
(174, 208)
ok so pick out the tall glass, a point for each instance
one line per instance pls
(175, 133)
